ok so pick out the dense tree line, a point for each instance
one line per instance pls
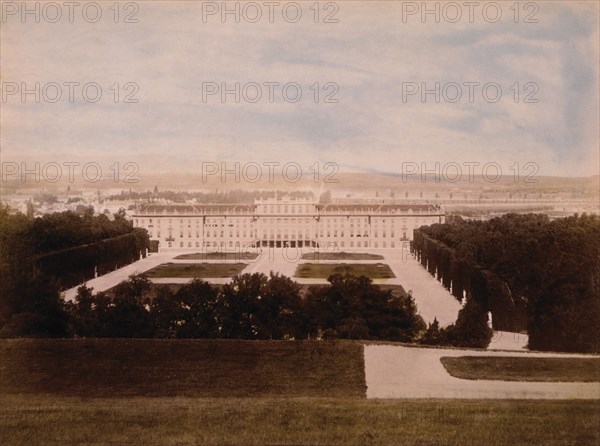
(466, 279)
(73, 266)
(41, 256)
(251, 306)
(550, 268)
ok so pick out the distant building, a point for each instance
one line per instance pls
(280, 223)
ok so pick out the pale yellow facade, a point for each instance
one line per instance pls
(281, 223)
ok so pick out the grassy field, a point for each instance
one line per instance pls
(222, 256)
(164, 392)
(197, 368)
(341, 256)
(43, 420)
(324, 270)
(200, 270)
(523, 369)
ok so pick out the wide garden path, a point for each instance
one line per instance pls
(411, 372)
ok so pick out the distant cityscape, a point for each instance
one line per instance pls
(555, 197)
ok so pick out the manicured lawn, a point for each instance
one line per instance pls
(43, 420)
(218, 256)
(523, 369)
(196, 368)
(341, 256)
(201, 270)
(324, 270)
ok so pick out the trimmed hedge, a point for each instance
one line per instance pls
(79, 264)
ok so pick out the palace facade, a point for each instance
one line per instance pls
(281, 223)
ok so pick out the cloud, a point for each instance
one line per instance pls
(170, 53)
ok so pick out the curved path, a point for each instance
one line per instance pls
(407, 372)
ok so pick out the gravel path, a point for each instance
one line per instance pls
(406, 372)
(432, 299)
(113, 278)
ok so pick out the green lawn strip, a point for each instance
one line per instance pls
(218, 256)
(324, 270)
(341, 256)
(508, 368)
(201, 270)
(36, 420)
(196, 368)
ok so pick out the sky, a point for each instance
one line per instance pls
(366, 58)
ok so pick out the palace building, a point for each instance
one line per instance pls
(283, 223)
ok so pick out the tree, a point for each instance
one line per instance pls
(136, 287)
(83, 312)
(195, 305)
(433, 335)
(281, 310)
(237, 307)
(41, 311)
(127, 314)
(166, 314)
(254, 306)
(340, 309)
(471, 328)
(353, 328)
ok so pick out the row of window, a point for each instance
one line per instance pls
(284, 221)
(230, 244)
(288, 208)
(279, 234)
(327, 218)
